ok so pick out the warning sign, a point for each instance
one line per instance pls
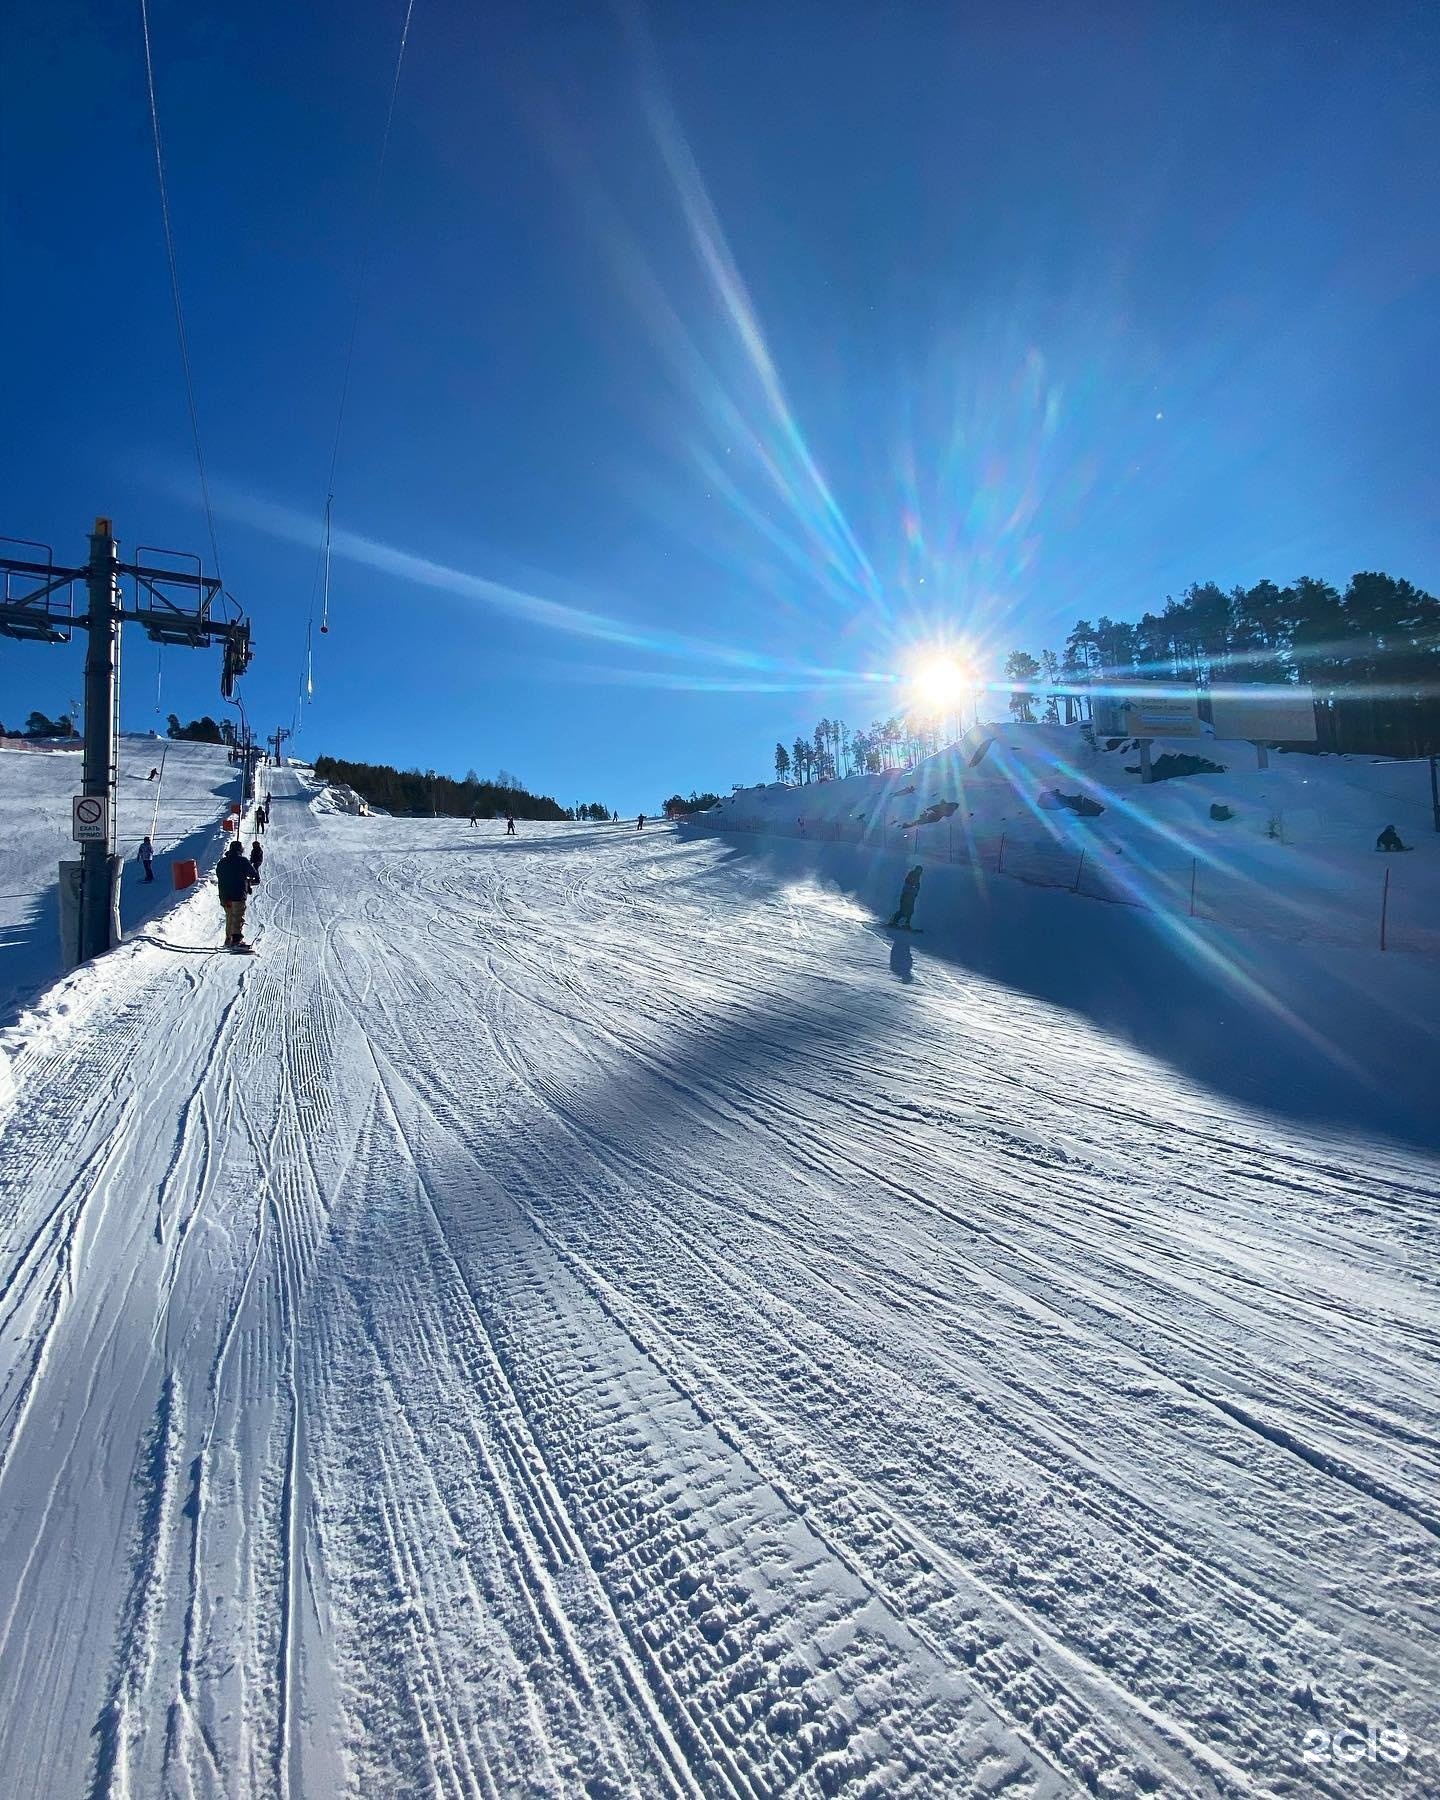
(87, 819)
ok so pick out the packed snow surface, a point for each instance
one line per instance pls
(593, 1314)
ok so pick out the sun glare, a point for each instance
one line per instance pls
(938, 681)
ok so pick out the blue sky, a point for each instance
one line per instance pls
(711, 354)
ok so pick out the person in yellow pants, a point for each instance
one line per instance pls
(233, 877)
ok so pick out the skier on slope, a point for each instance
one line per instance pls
(257, 857)
(234, 877)
(1389, 839)
(640, 823)
(908, 893)
(146, 857)
(510, 826)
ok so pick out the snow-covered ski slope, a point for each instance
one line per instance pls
(181, 811)
(590, 1315)
(1296, 858)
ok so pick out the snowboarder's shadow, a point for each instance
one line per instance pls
(902, 963)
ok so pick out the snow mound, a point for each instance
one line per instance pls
(1046, 804)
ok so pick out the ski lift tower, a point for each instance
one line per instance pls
(173, 606)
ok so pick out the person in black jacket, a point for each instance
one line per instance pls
(257, 856)
(234, 877)
(908, 892)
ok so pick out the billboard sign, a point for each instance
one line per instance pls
(1268, 715)
(1161, 716)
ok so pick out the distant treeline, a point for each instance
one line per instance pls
(39, 726)
(678, 807)
(423, 793)
(203, 730)
(1371, 655)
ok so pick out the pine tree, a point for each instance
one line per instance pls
(1021, 669)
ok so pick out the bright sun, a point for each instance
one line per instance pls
(938, 681)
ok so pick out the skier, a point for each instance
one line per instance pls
(474, 819)
(1389, 839)
(154, 775)
(640, 823)
(908, 892)
(234, 877)
(262, 817)
(146, 858)
(257, 856)
(509, 826)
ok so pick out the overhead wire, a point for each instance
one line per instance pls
(320, 586)
(175, 285)
(174, 267)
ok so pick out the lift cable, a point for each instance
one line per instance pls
(175, 285)
(321, 583)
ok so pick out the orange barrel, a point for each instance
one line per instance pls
(236, 808)
(183, 872)
(227, 824)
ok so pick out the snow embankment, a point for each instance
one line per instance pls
(1287, 849)
(180, 810)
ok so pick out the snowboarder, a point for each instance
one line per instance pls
(257, 856)
(1389, 839)
(146, 858)
(908, 892)
(509, 826)
(234, 878)
(640, 823)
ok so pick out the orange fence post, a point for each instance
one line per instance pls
(1384, 907)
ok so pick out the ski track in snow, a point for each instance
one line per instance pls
(563, 1320)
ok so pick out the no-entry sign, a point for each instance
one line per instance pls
(87, 819)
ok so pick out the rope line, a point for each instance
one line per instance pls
(321, 583)
(175, 284)
(366, 248)
(159, 787)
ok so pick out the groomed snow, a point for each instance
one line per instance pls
(593, 1315)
